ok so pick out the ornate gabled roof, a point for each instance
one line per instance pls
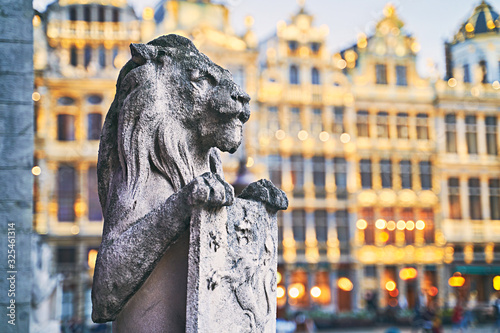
(484, 20)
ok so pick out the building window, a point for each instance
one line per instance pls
(407, 215)
(101, 14)
(115, 54)
(484, 71)
(495, 198)
(65, 100)
(94, 209)
(319, 175)
(299, 225)
(94, 99)
(316, 121)
(368, 215)
(466, 73)
(67, 305)
(340, 166)
(293, 45)
(491, 135)
(65, 127)
(474, 199)
(321, 225)
(102, 56)
(280, 227)
(275, 169)
(388, 215)
(422, 126)
(315, 79)
(297, 162)
(87, 14)
(87, 55)
(342, 220)
(73, 56)
(454, 198)
(338, 119)
(402, 125)
(471, 134)
(425, 175)
(362, 124)
(401, 76)
(451, 133)
(315, 47)
(294, 75)
(405, 169)
(94, 126)
(427, 216)
(386, 173)
(72, 14)
(116, 15)
(365, 168)
(382, 125)
(238, 75)
(66, 193)
(381, 74)
(295, 123)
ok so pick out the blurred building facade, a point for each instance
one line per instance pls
(393, 179)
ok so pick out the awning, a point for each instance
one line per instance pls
(478, 270)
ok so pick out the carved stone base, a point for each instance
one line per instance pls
(232, 269)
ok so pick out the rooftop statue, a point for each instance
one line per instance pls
(169, 214)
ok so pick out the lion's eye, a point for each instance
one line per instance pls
(206, 77)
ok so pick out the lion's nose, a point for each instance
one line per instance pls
(240, 96)
(244, 115)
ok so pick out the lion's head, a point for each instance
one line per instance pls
(172, 106)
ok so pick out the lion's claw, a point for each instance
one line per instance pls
(264, 191)
(210, 190)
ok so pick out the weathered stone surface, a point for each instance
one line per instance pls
(162, 189)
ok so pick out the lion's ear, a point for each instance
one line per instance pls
(141, 53)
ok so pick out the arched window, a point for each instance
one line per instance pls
(315, 76)
(294, 75)
(73, 56)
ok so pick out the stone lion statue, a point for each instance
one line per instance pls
(159, 157)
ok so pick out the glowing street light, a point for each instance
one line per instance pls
(457, 280)
(315, 292)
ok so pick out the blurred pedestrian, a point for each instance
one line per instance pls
(457, 317)
(428, 318)
(496, 312)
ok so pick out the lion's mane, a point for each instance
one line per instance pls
(140, 133)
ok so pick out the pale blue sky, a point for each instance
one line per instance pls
(430, 21)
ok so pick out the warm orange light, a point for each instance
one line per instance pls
(315, 292)
(469, 27)
(490, 24)
(278, 278)
(408, 273)
(380, 224)
(410, 225)
(390, 285)
(433, 291)
(361, 224)
(394, 293)
(280, 134)
(384, 236)
(92, 258)
(324, 136)
(280, 292)
(296, 290)
(148, 13)
(420, 225)
(496, 282)
(452, 82)
(345, 138)
(457, 280)
(302, 135)
(36, 170)
(391, 225)
(345, 284)
(341, 64)
(401, 225)
(36, 96)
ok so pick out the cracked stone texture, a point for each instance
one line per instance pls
(175, 239)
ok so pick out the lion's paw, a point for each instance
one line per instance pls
(264, 191)
(210, 190)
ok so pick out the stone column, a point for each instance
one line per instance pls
(401, 285)
(380, 286)
(485, 199)
(442, 283)
(461, 142)
(464, 196)
(16, 159)
(357, 292)
(481, 135)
